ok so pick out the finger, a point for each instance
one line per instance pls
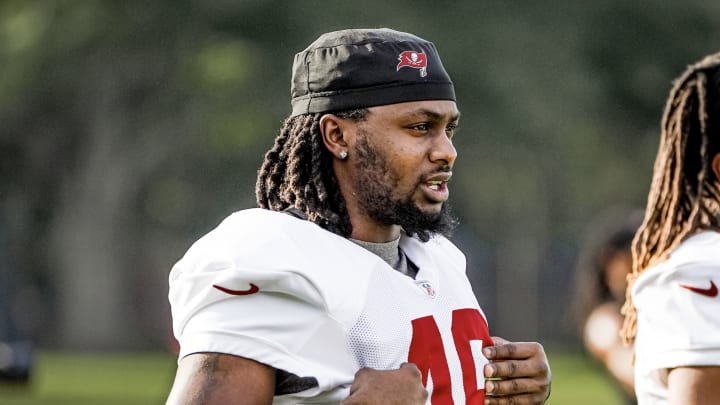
(500, 341)
(527, 399)
(514, 369)
(513, 350)
(413, 372)
(516, 386)
(360, 377)
(411, 366)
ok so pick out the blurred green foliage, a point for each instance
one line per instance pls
(127, 129)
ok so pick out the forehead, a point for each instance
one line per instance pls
(437, 109)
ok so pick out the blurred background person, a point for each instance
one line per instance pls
(604, 262)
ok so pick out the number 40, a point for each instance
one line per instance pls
(427, 352)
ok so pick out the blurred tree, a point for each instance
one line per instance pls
(118, 119)
(129, 128)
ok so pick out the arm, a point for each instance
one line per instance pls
(694, 385)
(215, 379)
(223, 379)
(520, 372)
(602, 339)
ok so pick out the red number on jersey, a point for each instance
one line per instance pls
(427, 352)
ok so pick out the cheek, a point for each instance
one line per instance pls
(403, 162)
(406, 175)
(406, 158)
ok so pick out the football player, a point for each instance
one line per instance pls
(341, 286)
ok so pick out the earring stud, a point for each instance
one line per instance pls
(343, 154)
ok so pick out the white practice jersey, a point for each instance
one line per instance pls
(678, 310)
(282, 291)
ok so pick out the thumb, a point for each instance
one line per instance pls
(499, 341)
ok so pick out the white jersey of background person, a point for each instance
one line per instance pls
(282, 291)
(678, 308)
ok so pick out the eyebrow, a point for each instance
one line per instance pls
(434, 115)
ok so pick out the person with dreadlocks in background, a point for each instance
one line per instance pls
(672, 308)
(342, 286)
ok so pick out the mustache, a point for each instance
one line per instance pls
(441, 169)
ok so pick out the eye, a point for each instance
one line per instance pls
(451, 129)
(423, 127)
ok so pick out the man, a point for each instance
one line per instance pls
(672, 311)
(341, 287)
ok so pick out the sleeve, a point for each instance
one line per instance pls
(679, 314)
(276, 317)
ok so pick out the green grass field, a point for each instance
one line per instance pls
(144, 379)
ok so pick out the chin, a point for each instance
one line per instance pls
(431, 208)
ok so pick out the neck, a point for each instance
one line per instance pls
(365, 228)
(368, 231)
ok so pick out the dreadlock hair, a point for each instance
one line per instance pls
(684, 193)
(297, 173)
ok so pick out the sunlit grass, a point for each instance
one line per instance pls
(145, 378)
(84, 379)
(579, 381)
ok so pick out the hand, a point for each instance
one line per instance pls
(392, 387)
(519, 373)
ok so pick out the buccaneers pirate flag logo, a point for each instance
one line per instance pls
(415, 60)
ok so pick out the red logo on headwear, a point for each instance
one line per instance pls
(415, 60)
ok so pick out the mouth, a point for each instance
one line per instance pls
(438, 180)
(436, 187)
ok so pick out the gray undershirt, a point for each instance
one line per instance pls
(390, 252)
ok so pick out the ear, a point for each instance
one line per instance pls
(334, 131)
(715, 164)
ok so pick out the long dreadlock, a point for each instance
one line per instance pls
(685, 193)
(297, 173)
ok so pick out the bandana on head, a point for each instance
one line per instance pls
(359, 68)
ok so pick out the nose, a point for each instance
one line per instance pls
(443, 150)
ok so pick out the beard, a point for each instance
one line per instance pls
(375, 189)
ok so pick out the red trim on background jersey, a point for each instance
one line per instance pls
(711, 292)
